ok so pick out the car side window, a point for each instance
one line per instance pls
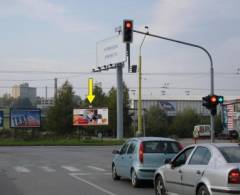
(201, 156)
(182, 158)
(124, 148)
(131, 148)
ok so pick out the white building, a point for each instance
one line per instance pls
(172, 106)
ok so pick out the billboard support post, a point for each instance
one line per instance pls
(119, 101)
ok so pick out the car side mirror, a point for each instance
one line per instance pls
(115, 152)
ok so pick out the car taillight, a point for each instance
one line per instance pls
(141, 152)
(234, 176)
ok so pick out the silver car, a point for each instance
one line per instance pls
(202, 169)
(139, 158)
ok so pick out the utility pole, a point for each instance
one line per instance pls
(55, 89)
(46, 95)
(140, 118)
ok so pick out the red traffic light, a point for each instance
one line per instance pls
(127, 31)
(213, 99)
(128, 24)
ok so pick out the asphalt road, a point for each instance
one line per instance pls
(63, 171)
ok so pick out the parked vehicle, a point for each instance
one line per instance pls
(139, 158)
(209, 169)
(202, 131)
(230, 134)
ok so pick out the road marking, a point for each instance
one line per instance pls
(21, 169)
(76, 176)
(70, 168)
(96, 168)
(48, 169)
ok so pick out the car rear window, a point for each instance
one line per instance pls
(231, 154)
(161, 147)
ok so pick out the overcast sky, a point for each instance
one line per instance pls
(60, 36)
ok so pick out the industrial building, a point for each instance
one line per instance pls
(24, 91)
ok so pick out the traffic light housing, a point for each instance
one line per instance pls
(211, 102)
(205, 102)
(127, 31)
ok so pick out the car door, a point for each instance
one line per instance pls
(193, 171)
(173, 173)
(129, 159)
(120, 161)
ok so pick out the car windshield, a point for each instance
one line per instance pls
(231, 154)
(161, 147)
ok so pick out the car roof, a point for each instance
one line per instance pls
(152, 139)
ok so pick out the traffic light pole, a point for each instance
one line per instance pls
(140, 129)
(211, 68)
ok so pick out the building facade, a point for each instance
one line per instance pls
(24, 91)
(171, 106)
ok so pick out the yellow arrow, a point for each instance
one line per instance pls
(90, 96)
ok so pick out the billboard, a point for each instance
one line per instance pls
(25, 118)
(90, 116)
(1, 119)
(111, 51)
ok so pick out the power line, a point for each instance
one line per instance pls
(133, 87)
(113, 73)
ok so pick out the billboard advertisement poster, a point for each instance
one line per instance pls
(1, 119)
(90, 116)
(25, 118)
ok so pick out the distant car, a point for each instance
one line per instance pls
(139, 158)
(233, 134)
(230, 134)
(202, 131)
(202, 169)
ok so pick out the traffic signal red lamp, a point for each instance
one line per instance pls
(213, 100)
(127, 31)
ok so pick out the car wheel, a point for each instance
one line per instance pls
(159, 187)
(203, 191)
(134, 180)
(115, 176)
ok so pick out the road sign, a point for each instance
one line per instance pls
(111, 51)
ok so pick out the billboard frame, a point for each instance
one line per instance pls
(2, 123)
(91, 125)
(25, 127)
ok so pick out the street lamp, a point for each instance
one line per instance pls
(140, 130)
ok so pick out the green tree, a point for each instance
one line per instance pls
(59, 116)
(184, 122)
(22, 103)
(156, 122)
(100, 99)
(6, 100)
